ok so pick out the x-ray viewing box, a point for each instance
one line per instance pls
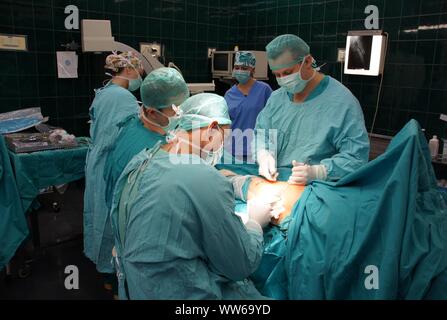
(365, 52)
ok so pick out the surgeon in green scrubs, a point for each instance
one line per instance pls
(176, 233)
(319, 124)
(112, 104)
(161, 92)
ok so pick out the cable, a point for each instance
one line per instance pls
(172, 65)
(318, 69)
(377, 106)
(380, 87)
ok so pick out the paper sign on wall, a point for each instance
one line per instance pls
(67, 64)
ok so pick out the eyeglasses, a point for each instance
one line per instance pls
(245, 68)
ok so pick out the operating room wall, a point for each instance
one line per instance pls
(186, 28)
(414, 85)
(415, 78)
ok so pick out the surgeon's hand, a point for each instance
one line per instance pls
(267, 165)
(277, 209)
(260, 211)
(302, 173)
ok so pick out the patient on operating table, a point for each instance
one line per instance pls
(260, 188)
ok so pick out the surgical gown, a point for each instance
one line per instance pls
(13, 225)
(177, 236)
(132, 139)
(244, 110)
(387, 219)
(339, 231)
(327, 128)
(112, 104)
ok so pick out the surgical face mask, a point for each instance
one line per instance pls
(212, 157)
(242, 76)
(134, 84)
(294, 83)
(172, 121)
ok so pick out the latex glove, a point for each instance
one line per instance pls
(277, 204)
(277, 209)
(238, 184)
(267, 165)
(302, 173)
(260, 211)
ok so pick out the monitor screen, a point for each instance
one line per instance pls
(220, 62)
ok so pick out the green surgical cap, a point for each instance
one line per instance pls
(245, 58)
(162, 88)
(285, 51)
(201, 110)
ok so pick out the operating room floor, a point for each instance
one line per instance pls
(61, 245)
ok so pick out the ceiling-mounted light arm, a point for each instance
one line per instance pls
(149, 63)
(97, 37)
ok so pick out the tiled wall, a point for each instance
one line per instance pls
(414, 85)
(415, 79)
(186, 28)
